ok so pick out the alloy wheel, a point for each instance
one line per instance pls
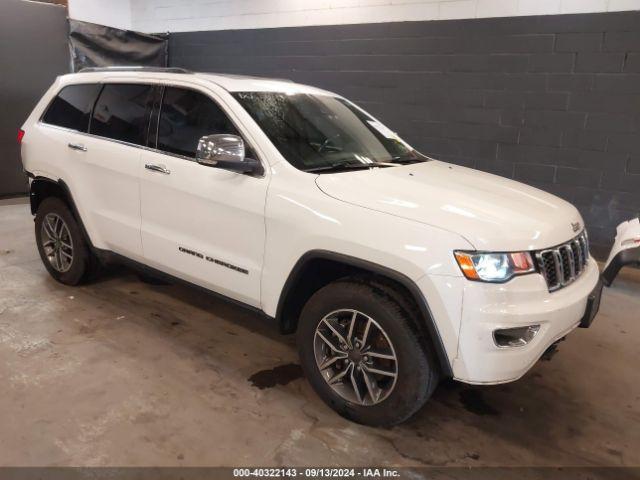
(56, 242)
(355, 357)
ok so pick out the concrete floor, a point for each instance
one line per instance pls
(123, 373)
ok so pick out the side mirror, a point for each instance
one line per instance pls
(226, 152)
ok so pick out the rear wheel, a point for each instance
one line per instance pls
(61, 244)
(362, 354)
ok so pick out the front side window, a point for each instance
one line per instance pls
(122, 112)
(71, 108)
(321, 132)
(185, 117)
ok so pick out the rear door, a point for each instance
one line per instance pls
(203, 224)
(61, 130)
(108, 161)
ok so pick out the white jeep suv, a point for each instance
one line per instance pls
(394, 270)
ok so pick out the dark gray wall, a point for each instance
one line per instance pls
(33, 51)
(553, 101)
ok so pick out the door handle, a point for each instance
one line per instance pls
(157, 168)
(77, 146)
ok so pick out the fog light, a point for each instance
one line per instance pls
(515, 337)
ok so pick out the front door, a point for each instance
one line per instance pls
(200, 223)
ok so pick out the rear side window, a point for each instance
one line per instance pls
(185, 117)
(72, 107)
(122, 112)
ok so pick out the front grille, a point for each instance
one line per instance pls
(561, 265)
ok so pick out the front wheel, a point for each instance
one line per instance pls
(362, 354)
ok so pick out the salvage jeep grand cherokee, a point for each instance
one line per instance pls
(394, 270)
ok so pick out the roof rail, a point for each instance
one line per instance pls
(134, 68)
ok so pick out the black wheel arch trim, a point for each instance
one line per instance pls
(68, 197)
(628, 256)
(378, 269)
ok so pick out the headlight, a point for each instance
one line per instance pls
(494, 267)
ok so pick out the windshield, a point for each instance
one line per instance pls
(321, 133)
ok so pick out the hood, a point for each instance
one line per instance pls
(491, 212)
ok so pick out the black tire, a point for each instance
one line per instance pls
(417, 367)
(83, 264)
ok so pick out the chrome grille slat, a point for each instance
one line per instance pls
(557, 257)
(570, 260)
(563, 264)
(575, 246)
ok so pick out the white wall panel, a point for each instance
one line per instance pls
(583, 6)
(616, 5)
(193, 15)
(457, 9)
(538, 7)
(112, 13)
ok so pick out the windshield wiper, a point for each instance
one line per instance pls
(407, 160)
(336, 167)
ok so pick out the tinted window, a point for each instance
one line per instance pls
(185, 117)
(121, 112)
(72, 107)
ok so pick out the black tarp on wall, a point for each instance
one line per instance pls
(33, 51)
(93, 45)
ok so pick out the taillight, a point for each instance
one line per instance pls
(20, 136)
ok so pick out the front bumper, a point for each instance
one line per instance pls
(520, 302)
